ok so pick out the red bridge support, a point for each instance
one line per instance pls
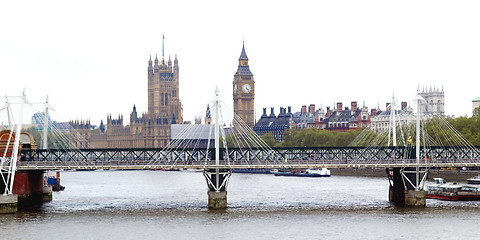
(28, 185)
(28, 192)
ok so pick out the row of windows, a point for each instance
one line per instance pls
(159, 121)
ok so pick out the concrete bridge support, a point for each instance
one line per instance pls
(47, 193)
(402, 192)
(8, 203)
(28, 191)
(217, 181)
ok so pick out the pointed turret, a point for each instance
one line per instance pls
(243, 55)
(175, 66)
(150, 67)
(243, 68)
(156, 68)
(207, 113)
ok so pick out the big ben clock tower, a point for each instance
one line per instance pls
(244, 90)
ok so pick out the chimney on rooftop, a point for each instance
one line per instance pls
(312, 108)
(339, 107)
(404, 105)
(304, 109)
(354, 106)
(329, 112)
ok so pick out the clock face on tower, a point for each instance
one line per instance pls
(246, 88)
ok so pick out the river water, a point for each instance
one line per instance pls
(173, 205)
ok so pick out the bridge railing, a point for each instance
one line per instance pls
(294, 163)
(151, 158)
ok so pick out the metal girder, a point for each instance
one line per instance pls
(434, 156)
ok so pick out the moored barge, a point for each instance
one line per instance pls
(324, 172)
(452, 191)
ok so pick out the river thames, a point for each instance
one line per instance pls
(173, 205)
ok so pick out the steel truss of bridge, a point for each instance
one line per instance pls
(331, 157)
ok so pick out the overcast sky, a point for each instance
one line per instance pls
(91, 57)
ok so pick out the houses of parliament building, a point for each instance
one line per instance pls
(153, 129)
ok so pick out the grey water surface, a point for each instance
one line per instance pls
(173, 205)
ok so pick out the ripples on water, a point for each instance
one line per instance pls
(172, 205)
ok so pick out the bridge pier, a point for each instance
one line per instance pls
(402, 192)
(47, 193)
(217, 181)
(28, 191)
(8, 203)
(28, 185)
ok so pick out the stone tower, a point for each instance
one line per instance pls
(434, 101)
(164, 106)
(151, 129)
(244, 90)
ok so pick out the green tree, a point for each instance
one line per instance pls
(469, 128)
(55, 140)
(313, 137)
(268, 138)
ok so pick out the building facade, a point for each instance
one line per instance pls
(274, 124)
(434, 101)
(476, 107)
(244, 91)
(381, 121)
(347, 119)
(153, 128)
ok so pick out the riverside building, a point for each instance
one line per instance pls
(148, 130)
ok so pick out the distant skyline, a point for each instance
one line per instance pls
(91, 57)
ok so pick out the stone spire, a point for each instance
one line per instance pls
(243, 68)
(243, 55)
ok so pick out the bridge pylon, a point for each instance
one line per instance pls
(217, 181)
(405, 189)
(217, 178)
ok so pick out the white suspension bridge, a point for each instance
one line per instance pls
(237, 146)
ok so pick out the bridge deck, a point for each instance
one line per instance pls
(349, 157)
(292, 164)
